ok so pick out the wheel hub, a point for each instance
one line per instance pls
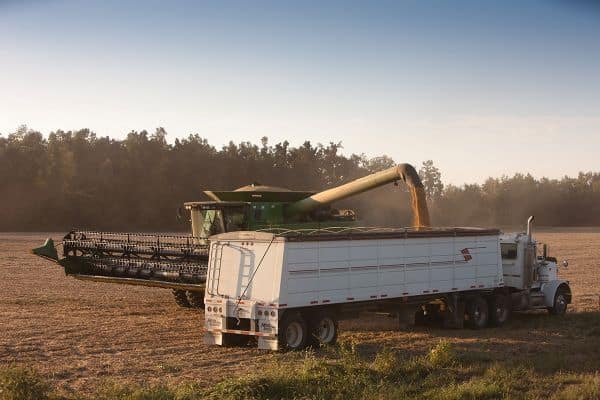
(293, 335)
(326, 330)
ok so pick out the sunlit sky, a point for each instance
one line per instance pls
(482, 88)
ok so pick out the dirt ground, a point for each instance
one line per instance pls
(80, 334)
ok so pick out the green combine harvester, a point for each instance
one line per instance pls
(179, 262)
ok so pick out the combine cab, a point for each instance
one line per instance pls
(179, 262)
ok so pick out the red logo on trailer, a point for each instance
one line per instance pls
(466, 254)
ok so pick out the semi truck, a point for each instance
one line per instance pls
(290, 288)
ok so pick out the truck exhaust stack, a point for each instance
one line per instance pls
(530, 225)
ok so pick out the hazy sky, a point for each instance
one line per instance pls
(482, 89)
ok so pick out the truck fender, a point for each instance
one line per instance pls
(549, 289)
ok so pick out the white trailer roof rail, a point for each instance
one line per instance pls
(359, 232)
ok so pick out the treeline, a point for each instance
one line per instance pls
(77, 179)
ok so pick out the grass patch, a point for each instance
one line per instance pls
(442, 373)
(18, 383)
(346, 375)
(587, 388)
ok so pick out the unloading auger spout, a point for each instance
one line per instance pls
(403, 172)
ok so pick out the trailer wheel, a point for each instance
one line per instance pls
(324, 329)
(478, 313)
(559, 307)
(500, 307)
(181, 298)
(196, 299)
(293, 332)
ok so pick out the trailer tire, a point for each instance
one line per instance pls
(324, 329)
(500, 307)
(195, 299)
(478, 312)
(293, 332)
(561, 300)
(181, 298)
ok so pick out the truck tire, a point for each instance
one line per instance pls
(293, 332)
(324, 329)
(196, 299)
(181, 298)
(559, 306)
(478, 312)
(500, 307)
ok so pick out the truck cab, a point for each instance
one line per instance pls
(531, 275)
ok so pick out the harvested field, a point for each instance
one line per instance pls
(79, 334)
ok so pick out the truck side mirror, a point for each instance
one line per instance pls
(565, 264)
(179, 215)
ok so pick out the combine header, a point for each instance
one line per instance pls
(166, 261)
(180, 262)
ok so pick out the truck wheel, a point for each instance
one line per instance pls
(293, 332)
(196, 299)
(478, 313)
(181, 298)
(324, 329)
(499, 306)
(559, 307)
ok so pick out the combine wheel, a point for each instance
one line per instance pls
(324, 329)
(559, 307)
(499, 309)
(196, 299)
(478, 313)
(293, 332)
(181, 298)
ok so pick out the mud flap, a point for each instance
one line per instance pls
(214, 338)
(268, 343)
(454, 314)
(406, 316)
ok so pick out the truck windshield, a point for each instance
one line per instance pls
(509, 251)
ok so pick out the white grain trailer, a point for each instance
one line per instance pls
(292, 288)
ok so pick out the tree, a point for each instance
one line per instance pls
(432, 180)
(77, 179)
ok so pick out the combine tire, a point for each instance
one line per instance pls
(293, 332)
(195, 299)
(324, 329)
(499, 309)
(181, 298)
(559, 307)
(478, 313)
